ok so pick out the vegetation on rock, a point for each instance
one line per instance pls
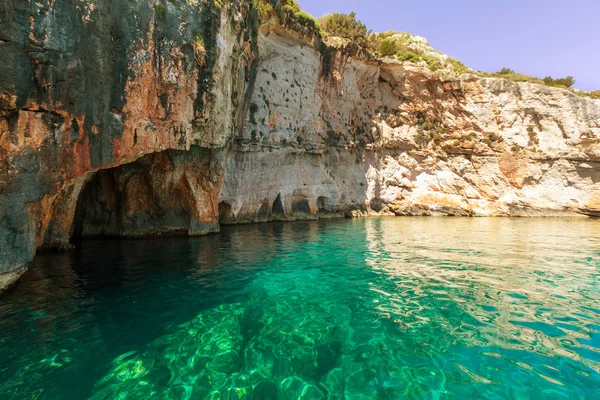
(406, 47)
(567, 82)
(401, 46)
(281, 8)
(159, 9)
(307, 19)
(345, 26)
(199, 51)
(511, 75)
(264, 8)
(593, 95)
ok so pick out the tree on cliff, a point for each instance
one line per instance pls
(510, 74)
(567, 82)
(344, 25)
(506, 71)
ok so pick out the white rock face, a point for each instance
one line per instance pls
(369, 137)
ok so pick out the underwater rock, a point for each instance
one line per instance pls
(295, 388)
(328, 357)
(265, 391)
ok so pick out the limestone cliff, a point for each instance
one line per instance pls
(133, 119)
(87, 86)
(395, 138)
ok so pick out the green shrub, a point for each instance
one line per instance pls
(387, 47)
(344, 25)
(422, 139)
(533, 138)
(290, 6)
(159, 10)
(494, 137)
(199, 50)
(374, 39)
(307, 19)
(404, 55)
(511, 75)
(399, 44)
(457, 66)
(567, 82)
(263, 7)
(432, 63)
(266, 8)
(506, 71)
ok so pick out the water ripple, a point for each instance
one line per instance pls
(409, 308)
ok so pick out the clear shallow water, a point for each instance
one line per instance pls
(415, 308)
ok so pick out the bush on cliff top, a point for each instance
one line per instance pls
(345, 26)
(567, 82)
(264, 8)
(267, 8)
(307, 19)
(593, 95)
(400, 45)
(406, 47)
(511, 75)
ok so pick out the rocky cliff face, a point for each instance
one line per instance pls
(89, 86)
(139, 119)
(368, 137)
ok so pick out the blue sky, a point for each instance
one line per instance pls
(533, 37)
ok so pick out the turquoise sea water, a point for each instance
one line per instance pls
(391, 308)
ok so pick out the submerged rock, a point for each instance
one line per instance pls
(266, 391)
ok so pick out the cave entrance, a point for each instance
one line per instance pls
(148, 197)
(301, 207)
(225, 213)
(98, 207)
(278, 206)
(322, 203)
(300, 203)
(264, 212)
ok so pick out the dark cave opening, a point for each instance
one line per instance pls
(141, 199)
(278, 206)
(300, 206)
(225, 213)
(322, 204)
(97, 208)
(264, 212)
(377, 205)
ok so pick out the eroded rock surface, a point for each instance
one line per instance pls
(96, 85)
(393, 138)
(131, 119)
